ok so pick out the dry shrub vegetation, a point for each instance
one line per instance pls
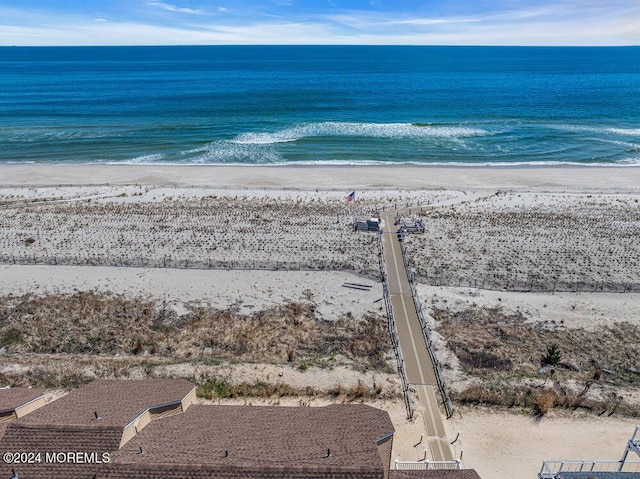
(531, 242)
(209, 232)
(212, 387)
(503, 354)
(111, 334)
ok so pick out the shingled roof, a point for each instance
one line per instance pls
(137, 471)
(230, 442)
(48, 439)
(116, 403)
(262, 441)
(69, 424)
(13, 398)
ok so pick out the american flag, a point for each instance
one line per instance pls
(351, 197)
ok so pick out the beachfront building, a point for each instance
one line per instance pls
(72, 437)
(18, 402)
(148, 429)
(338, 441)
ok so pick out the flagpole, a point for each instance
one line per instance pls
(353, 209)
(351, 198)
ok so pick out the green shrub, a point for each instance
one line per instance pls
(553, 356)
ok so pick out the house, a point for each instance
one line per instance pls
(75, 434)
(149, 430)
(337, 441)
(18, 402)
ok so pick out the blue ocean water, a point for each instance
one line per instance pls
(320, 104)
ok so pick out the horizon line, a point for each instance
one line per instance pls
(460, 45)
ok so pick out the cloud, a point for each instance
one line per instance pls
(173, 8)
(567, 22)
(562, 22)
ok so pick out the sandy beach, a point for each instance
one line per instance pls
(550, 251)
(403, 177)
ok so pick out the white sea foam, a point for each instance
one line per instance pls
(625, 131)
(224, 158)
(594, 129)
(368, 130)
(228, 153)
(144, 159)
(217, 158)
(630, 147)
(265, 138)
(630, 161)
(48, 134)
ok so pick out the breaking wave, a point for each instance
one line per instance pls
(225, 152)
(144, 159)
(625, 131)
(366, 130)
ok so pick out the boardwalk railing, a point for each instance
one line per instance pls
(446, 400)
(426, 465)
(393, 332)
(611, 469)
(551, 469)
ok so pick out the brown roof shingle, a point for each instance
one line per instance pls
(43, 440)
(245, 441)
(116, 402)
(227, 442)
(137, 471)
(19, 437)
(69, 425)
(12, 398)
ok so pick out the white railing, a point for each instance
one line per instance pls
(426, 465)
(550, 469)
(634, 438)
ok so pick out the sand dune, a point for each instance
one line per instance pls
(556, 245)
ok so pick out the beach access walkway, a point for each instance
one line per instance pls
(419, 367)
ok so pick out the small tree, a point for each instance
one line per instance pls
(553, 356)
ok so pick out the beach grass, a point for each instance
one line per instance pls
(513, 362)
(122, 336)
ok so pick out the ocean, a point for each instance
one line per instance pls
(255, 105)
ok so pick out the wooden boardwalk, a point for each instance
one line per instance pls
(420, 370)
